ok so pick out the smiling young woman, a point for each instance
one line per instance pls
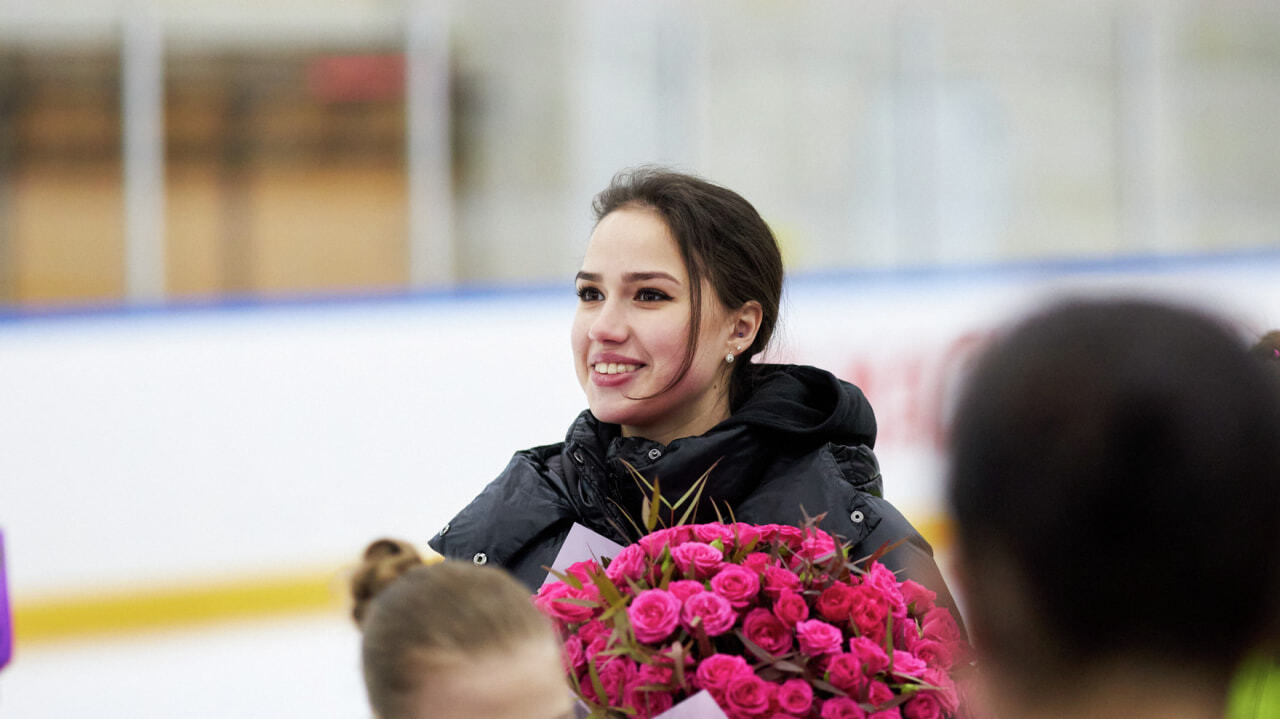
(679, 289)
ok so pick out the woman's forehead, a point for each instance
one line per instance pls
(633, 240)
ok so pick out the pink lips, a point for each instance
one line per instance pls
(612, 380)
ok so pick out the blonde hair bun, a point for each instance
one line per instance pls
(384, 561)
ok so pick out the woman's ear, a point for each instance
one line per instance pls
(746, 322)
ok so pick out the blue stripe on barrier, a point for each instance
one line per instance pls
(473, 293)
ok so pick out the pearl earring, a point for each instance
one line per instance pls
(729, 358)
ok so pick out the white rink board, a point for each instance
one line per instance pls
(188, 445)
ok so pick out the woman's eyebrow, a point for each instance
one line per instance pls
(646, 276)
(630, 276)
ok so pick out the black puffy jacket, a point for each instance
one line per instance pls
(800, 444)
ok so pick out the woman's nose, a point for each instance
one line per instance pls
(609, 325)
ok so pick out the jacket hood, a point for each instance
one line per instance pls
(789, 409)
(805, 404)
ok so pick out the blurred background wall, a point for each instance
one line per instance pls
(188, 149)
(260, 263)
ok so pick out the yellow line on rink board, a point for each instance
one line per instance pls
(161, 608)
(171, 607)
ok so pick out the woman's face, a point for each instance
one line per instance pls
(527, 683)
(632, 326)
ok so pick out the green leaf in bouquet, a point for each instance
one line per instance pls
(888, 639)
(827, 686)
(696, 491)
(623, 511)
(756, 650)
(700, 636)
(565, 577)
(882, 550)
(677, 654)
(596, 684)
(591, 603)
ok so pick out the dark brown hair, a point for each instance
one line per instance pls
(721, 237)
(413, 617)
(1113, 479)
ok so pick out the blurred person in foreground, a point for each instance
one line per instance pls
(453, 641)
(1115, 482)
(1255, 692)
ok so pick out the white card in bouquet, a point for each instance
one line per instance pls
(698, 706)
(580, 545)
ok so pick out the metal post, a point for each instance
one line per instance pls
(432, 256)
(142, 118)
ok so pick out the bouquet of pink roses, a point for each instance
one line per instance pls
(773, 621)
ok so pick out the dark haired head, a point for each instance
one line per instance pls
(1115, 480)
(721, 238)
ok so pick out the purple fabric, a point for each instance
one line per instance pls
(6, 622)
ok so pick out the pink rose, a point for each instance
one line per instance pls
(835, 602)
(842, 708)
(654, 614)
(697, 560)
(795, 696)
(906, 664)
(776, 579)
(649, 704)
(685, 588)
(654, 542)
(616, 675)
(757, 562)
(879, 693)
(583, 570)
(870, 655)
(919, 599)
(789, 536)
(714, 672)
(574, 656)
(940, 625)
(592, 630)
(597, 645)
(817, 637)
(890, 713)
(924, 705)
(632, 563)
(846, 673)
(870, 612)
(736, 584)
(747, 695)
(947, 693)
(790, 608)
(551, 601)
(933, 653)
(709, 533)
(767, 532)
(746, 535)
(884, 580)
(817, 545)
(713, 610)
(767, 631)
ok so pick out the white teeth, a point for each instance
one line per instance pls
(614, 368)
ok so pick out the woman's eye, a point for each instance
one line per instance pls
(652, 295)
(589, 294)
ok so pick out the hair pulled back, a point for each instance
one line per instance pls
(722, 238)
(415, 616)
(1114, 474)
